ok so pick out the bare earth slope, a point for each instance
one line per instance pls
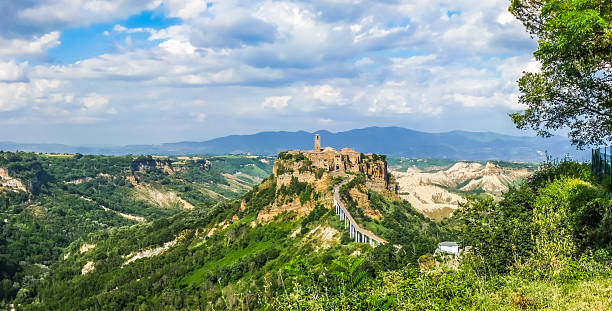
(438, 192)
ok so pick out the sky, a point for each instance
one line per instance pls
(99, 72)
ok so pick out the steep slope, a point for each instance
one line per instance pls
(48, 201)
(437, 189)
(235, 254)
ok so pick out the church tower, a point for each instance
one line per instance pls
(317, 146)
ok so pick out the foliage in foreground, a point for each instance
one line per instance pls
(574, 86)
(546, 245)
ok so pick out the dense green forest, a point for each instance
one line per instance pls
(68, 197)
(546, 244)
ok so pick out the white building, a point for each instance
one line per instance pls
(448, 247)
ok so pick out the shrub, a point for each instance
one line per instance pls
(564, 213)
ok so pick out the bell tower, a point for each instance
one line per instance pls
(317, 146)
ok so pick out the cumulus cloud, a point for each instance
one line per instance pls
(326, 94)
(94, 101)
(276, 102)
(11, 71)
(53, 14)
(34, 46)
(349, 60)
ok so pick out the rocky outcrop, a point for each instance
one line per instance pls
(306, 165)
(438, 193)
(79, 181)
(85, 247)
(88, 267)
(164, 199)
(279, 207)
(141, 165)
(318, 168)
(363, 202)
(12, 184)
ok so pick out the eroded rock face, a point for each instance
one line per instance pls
(328, 160)
(85, 247)
(292, 203)
(143, 165)
(88, 267)
(428, 192)
(318, 167)
(12, 184)
(363, 202)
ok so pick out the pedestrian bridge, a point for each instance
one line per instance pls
(355, 232)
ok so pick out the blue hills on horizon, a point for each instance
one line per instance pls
(391, 141)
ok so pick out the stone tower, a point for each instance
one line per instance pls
(317, 146)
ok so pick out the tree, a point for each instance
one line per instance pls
(574, 87)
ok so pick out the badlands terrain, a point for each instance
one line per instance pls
(437, 187)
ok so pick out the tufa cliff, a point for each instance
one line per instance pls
(328, 160)
(317, 170)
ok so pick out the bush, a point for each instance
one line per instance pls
(565, 214)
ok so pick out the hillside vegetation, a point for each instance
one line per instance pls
(65, 198)
(224, 256)
(545, 244)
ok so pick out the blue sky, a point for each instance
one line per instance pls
(152, 71)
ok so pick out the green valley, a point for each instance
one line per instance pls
(209, 233)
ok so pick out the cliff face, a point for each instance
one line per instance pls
(438, 192)
(10, 183)
(329, 161)
(318, 170)
(30, 178)
(143, 165)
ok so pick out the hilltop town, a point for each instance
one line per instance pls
(338, 163)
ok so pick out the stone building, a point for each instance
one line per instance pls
(348, 160)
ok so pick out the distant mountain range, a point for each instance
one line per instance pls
(392, 141)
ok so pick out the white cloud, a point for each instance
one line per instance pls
(12, 71)
(178, 47)
(94, 102)
(276, 102)
(186, 9)
(390, 101)
(35, 46)
(352, 61)
(326, 94)
(81, 12)
(12, 95)
(201, 117)
(16, 95)
(505, 18)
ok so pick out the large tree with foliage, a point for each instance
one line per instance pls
(574, 87)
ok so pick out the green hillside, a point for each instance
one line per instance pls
(545, 245)
(69, 197)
